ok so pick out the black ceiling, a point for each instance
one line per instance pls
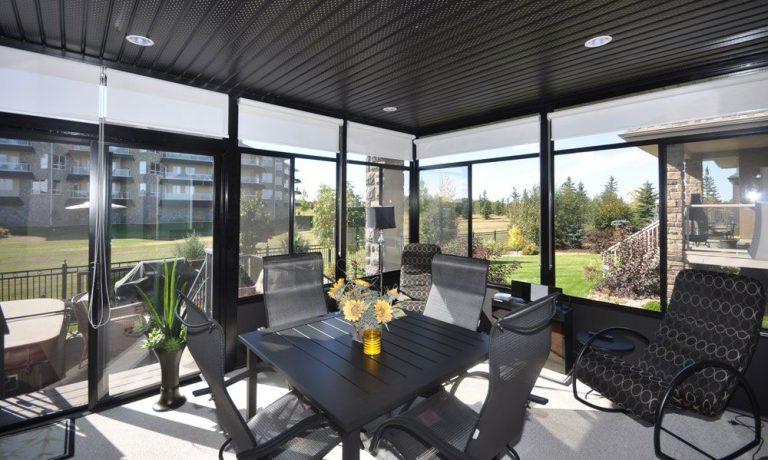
(444, 63)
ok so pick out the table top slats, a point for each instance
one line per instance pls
(321, 361)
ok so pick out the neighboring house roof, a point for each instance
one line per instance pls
(702, 125)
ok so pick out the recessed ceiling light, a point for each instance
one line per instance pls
(598, 41)
(390, 108)
(140, 40)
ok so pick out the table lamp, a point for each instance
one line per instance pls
(380, 218)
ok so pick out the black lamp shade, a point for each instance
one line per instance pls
(380, 217)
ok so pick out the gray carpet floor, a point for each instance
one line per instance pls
(563, 429)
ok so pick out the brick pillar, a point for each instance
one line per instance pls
(372, 198)
(675, 219)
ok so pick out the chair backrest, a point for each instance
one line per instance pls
(519, 347)
(458, 290)
(711, 316)
(416, 269)
(293, 288)
(698, 217)
(205, 339)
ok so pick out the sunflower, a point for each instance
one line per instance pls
(383, 311)
(392, 292)
(353, 309)
(363, 283)
(335, 288)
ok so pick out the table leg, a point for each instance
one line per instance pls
(350, 445)
(253, 361)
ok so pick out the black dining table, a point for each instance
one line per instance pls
(319, 359)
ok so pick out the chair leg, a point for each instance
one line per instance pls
(512, 453)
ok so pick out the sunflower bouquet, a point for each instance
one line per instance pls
(364, 307)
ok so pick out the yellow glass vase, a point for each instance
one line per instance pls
(372, 342)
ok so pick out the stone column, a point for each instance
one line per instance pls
(676, 201)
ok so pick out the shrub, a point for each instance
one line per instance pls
(516, 240)
(498, 271)
(530, 249)
(4, 232)
(599, 240)
(652, 305)
(593, 272)
(191, 249)
(632, 271)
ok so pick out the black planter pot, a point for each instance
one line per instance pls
(170, 398)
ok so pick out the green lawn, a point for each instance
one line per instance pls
(570, 271)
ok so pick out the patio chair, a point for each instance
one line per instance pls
(289, 428)
(458, 290)
(293, 288)
(416, 274)
(442, 424)
(698, 222)
(80, 308)
(695, 361)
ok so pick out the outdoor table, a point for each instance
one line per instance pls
(34, 329)
(320, 360)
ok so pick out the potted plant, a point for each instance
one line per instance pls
(727, 242)
(166, 336)
(366, 310)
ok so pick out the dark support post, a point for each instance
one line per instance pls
(341, 198)
(663, 225)
(292, 206)
(413, 211)
(64, 280)
(227, 229)
(350, 445)
(547, 190)
(469, 210)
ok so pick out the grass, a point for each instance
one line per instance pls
(569, 272)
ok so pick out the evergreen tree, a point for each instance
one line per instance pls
(570, 213)
(709, 188)
(609, 208)
(644, 203)
(484, 205)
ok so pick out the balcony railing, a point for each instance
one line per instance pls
(79, 194)
(6, 141)
(187, 196)
(186, 176)
(121, 195)
(14, 166)
(250, 179)
(187, 157)
(80, 170)
(120, 151)
(250, 161)
(121, 172)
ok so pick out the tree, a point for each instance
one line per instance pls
(709, 188)
(355, 218)
(255, 223)
(438, 221)
(609, 208)
(644, 200)
(324, 218)
(484, 205)
(570, 212)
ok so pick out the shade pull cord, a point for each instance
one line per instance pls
(100, 278)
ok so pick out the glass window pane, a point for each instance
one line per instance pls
(717, 203)
(606, 225)
(358, 260)
(43, 266)
(443, 209)
(169, 224)
(264, 216)
(505, 221)
(315, 220)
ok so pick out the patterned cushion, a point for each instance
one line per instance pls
(416, 270)
(412, 305)
(711, 316)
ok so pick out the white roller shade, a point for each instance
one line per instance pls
(44, 86)
(143, 102)
(378, 142)
(498, 135)
(273, 127)
(723, 96)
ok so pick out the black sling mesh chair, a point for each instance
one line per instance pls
(458, 290)
(444, 427)
(293, 288)
(287, 429)
(698, 222)
(416, 274)
(695, 361)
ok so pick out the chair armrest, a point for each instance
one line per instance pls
(234, 379)
(479, 374)
(265, 450)
(421, 432)
(588, 344)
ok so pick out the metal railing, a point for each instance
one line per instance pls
(250, 161)
(186, 196)
(121, 195)
(187, 176)
(79, 194)
(187, 157)
(14, 166)
(250, 179)
(80, 170)
(121, 172)
(648, 236)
